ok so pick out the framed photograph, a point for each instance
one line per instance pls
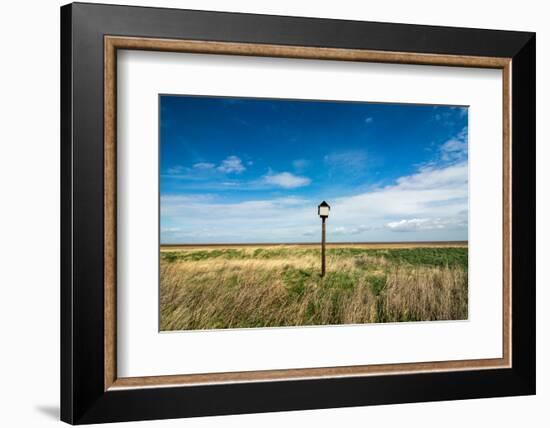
(266, 213)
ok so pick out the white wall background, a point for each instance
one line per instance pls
(29, 215)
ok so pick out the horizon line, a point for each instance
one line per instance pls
(220, 244)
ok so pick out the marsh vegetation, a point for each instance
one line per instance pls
(217, 288)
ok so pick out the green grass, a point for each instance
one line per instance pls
(439, 257)
(244, 287)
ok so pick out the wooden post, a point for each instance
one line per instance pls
(323, 267)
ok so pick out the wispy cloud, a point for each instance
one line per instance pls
(345, 230)
(349, 161)
(231, 164)
(207, 170)
(269, 192)
(451, 151)
(286, 180)
(456, 148)
(434, 179)
(431, 203)
(420, 224)
(211, 209)
(204, 165)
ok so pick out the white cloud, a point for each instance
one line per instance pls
(453, 146)
(459, 221)
(204, 165)
(360, 229)
(339, 230)
(205, 170)
(291, 201)
(429, 191)
(232, 164)
(456, 148)
(431, 204)
(286, 180)
(432, 178)
(170, 229)
(415, 224)
(350, 161)
(343, 230)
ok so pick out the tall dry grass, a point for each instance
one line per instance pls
(210, 290)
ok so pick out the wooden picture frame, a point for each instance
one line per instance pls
(91, 390)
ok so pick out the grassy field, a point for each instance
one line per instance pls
(215, 287)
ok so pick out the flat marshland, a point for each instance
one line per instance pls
(217, 287)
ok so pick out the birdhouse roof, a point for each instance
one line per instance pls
(324, 204)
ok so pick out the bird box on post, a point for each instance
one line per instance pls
(323, 209)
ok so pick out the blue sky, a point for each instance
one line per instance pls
(254, 170)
